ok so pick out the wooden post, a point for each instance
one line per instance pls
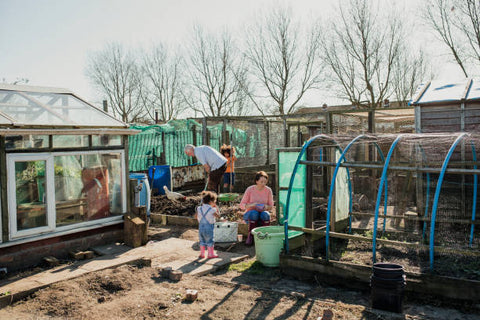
(163, 155)
(267, 130)
(204, 131)
(4, 198)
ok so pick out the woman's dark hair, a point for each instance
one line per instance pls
(260, 174)
(227, 149)
(208, 196)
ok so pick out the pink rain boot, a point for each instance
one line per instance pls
(251, 225)
(202, 252)
(211, 253)
(265, 223)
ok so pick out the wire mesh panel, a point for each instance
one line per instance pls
(386, 121)
(249, 137)
(414, 200)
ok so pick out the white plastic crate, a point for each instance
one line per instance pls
(225, 232)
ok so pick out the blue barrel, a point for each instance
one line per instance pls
(160, 176)
(143, 198)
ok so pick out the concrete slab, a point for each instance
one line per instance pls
(179, 254)
(111, 249)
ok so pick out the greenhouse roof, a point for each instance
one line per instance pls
(29, 106)
(442, 91)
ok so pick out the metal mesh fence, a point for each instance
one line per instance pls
(254, 138)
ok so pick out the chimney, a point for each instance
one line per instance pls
(105, 106)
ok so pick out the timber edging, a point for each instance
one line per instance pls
(358, 277)
(166, 219)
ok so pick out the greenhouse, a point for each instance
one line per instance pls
(64, 173)
(409, 199)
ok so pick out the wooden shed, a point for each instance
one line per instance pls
(63, 174)
(447, 106)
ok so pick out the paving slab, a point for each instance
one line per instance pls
(179, 254)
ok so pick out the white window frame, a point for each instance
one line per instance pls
(14, 233)
(12, 195)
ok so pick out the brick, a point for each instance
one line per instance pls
(191, 295)
(89, 254)
(51, 261)
(77, 255)
(176, 275)
(165, 272)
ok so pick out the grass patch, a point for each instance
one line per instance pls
(251, 266)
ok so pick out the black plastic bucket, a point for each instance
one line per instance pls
(387, 287)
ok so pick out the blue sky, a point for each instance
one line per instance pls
(48, 41)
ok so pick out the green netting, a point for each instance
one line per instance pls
(164, 144)
(296, 211)
(143, 148)
(148, 147)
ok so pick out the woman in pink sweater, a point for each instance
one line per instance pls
(257, 201)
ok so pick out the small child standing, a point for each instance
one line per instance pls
(206, 214)
(229, 175)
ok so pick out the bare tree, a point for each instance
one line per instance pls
(115, 73)
(409, 70)
(217, 75)
(362, 51)
(164, 83)
(283, 59)
(447, 23)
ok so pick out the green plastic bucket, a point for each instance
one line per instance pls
(269, 243)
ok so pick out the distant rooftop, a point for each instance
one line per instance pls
(445, 91)
(29, 106)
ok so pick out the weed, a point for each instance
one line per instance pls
(251, 266)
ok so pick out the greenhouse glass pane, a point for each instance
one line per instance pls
(47, 108)
(29, 186)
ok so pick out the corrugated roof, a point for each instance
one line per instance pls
(445, 91)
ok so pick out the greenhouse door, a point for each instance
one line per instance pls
(285, 165)
(31, 208)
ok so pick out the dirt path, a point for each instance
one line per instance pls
(244, 291)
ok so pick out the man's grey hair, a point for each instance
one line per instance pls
(189, 147)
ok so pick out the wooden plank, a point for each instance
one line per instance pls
(441, 121)
(436, 129)
(443, 114)
(409, 217)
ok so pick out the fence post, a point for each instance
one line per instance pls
(286, 133)
(204, 131)
(224, 132)
(267, 130)
(163, 156)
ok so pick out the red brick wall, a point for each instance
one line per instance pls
(30, 254)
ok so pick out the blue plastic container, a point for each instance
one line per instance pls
(143, 198)
(160, 176)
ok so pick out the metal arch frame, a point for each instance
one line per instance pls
(292, 179)
(475, 189)
(379, 194)
(437, 194)
(332, 186)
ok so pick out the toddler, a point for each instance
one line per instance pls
(206, 214)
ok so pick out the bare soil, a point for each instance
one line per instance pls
(245, 291)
